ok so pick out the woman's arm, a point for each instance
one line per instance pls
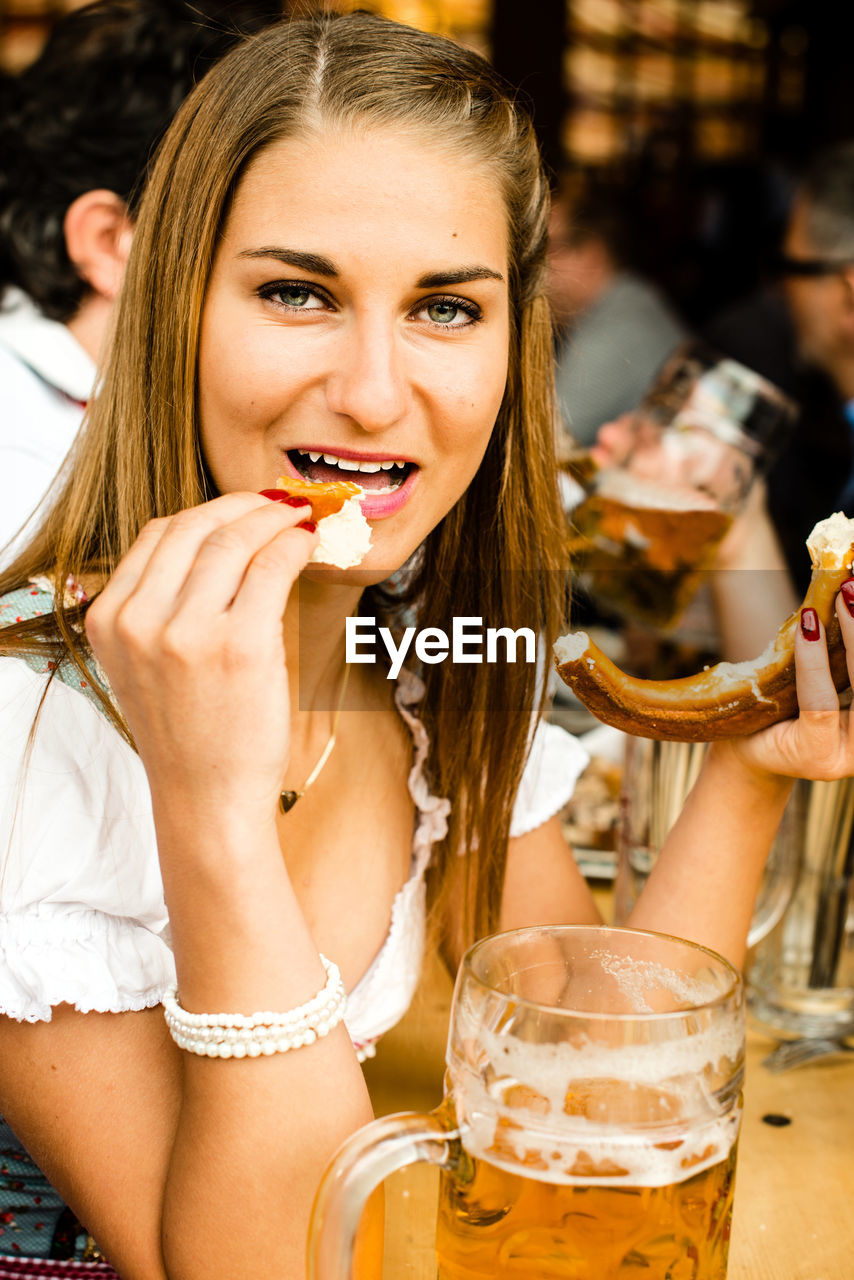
(706, 877)
(182, 1166)
(705, 880)
(542, 882)
(542, 885)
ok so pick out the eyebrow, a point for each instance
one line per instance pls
(463, 275)
(313, 262)
(317, 264)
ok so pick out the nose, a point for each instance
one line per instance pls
(369, 382)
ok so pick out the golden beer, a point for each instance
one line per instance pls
(497, 1225)
(590, 1120)
(645, 557)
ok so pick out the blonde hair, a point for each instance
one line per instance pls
(499, 554)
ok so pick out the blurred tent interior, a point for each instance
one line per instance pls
(696, 113)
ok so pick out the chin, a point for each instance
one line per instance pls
(362, 576)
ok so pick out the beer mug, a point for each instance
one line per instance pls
(672, 478)
(800, 978)
(590, 1120)
(657, 777)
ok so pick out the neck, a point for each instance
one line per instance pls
(314, 626)
(89, 324)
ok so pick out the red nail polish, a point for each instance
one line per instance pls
(289, 499)
(308, 525)
(810, 629)
(847, 590)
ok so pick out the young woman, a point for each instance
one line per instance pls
(338, 263)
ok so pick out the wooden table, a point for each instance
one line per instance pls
(794, 1199)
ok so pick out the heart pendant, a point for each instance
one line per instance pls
(288, 799)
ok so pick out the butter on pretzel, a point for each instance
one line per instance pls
(729, 699)
(345, 535)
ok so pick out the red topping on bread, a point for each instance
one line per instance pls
(325, 499)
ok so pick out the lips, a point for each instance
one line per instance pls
(387, 483)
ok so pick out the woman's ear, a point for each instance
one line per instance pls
(98, 234)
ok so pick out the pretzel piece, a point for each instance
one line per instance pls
(325, 499)
(729, 699)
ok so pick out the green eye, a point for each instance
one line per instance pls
(294, 297)
(442, 312)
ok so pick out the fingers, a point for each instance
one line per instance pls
(845, 615)
(821, 728)
(271, 573)
(132, 565)
(196, 561)
(819, 742)
(192, 524)
(259, 544)
(168, 567)
(816, 691)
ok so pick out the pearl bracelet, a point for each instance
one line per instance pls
(241, 1035)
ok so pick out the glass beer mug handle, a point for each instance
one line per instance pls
(782, 869)
(362, 1163)
(774, 896)
(657, 778)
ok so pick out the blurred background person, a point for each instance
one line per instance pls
(817, 268)
(799, 332)
(77, 130)
(615, 327)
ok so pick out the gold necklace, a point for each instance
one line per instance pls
(288, 799)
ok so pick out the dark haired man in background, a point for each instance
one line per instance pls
(817, 267)
(802, 337)
(78, 129)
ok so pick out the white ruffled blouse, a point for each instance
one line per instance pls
(83, 919)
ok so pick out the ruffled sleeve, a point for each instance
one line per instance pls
(82, 914)
(555, 763)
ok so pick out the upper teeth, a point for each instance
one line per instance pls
(351, 464)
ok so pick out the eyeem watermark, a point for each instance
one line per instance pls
(468, 643)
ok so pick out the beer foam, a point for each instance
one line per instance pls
(555, 1065)
(637, 977)
(622, 486)
(526, 1111)
(619, 1158)
(573, 1150)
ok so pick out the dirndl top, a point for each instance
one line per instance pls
(83, 918)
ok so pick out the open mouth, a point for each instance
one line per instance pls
(374, 476)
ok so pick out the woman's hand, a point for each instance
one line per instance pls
(819, 743)
(189, 632)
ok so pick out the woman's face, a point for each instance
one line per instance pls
(356, 326)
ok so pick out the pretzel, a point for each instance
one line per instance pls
(729, 699)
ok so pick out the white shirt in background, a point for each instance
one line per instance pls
(46, 378)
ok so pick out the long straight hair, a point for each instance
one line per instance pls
(499, 554)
